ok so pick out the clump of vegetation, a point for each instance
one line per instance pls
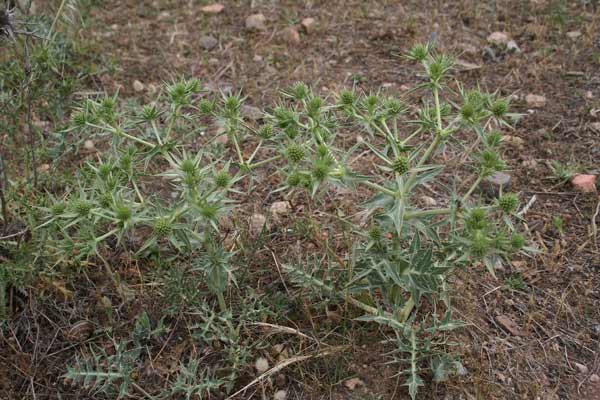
(161, 191)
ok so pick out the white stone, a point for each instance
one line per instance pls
(280, 395)
(262, 365)
(256, 22)
(498, 38)
(535, 100)
(138, 86)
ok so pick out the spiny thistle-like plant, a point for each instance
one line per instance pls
(407, 253)
(103, 373)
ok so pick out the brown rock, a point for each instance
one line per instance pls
(308, 25)
(584, 183)
(514, 141)
(138, 86)
(509, 325)
(43, 168)
(280, 395)
(89, 145)
(582, 368)
(208, 42)
(535, 101)
(353, 383)
(261, 364)
(290, 35)
(280, 208)
(256, 22)
(498, 38)
(80, 331)
(214, 8)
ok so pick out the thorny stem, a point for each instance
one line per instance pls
(122, 133)
(30, 128)
(266, 161)
(237, 149)
(222, 303)
(3, 186)
(427, 213)
(378, 187)
(472, 188)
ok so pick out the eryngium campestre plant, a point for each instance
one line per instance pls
(398, 270)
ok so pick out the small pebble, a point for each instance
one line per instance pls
(498, 38)
(214, 8)
(308, 25)
(89, 145)
(290, 35)
(584, 183)
(208, 42)
(256, 22)
(535, 100)
(280, 395)
(138, 86)
(261, 365)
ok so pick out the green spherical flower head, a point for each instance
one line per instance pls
(206, 106)
(467, 112)
(320, 170)
(501, 242)
(123, 213)
(419, 52)
(188, 166)
(150, 113)
(480, 244)
(347, 98)
(306, 181)
(322, 150)
(125, 162)
(232, 104)
(313, 107)
(477, 219)
(299, 91)
(82, 207)
(266, 132)
(508, 202)
(493, 139)
(490, 161)
(104, 170)
(476, 98)
(106, 199)
(401, 165)
(178, 94)
(294, 179)
(58, 208)
(162, 227)
(370, 103)
(208, 211)
(393, 108)
(435, 70)
(284, 117)
(294, 153)
(192, 85)
(517, 241)
(375, 233)
(222, 179)
(108, 105)
(79, 119)
(499, 108)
